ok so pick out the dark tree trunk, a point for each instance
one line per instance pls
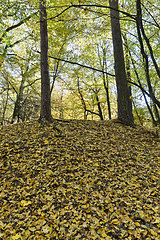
(99, 106)
(143, 91)
(106, 83)
(125, 114)
(45, 80)
(140, 31)
(2, 120)
(105, 77)
(140, 25)
(82, 99)
(19, 98)
(96, 91)
(138, 115)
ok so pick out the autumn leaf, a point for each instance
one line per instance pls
(25, 203)
(17, 236)
(109, 189)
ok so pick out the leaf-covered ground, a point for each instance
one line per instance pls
(93, 180)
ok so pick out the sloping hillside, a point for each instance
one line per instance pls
(87, 180)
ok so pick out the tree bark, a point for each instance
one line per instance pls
(140, 30)
(45, 79)
(125, 114)
(18, 103)
(4, 105)
(99, 106)
(82, 99)
(144, 92)
(140, 25)
(106, 83)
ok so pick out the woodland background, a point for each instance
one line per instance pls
(75, 177)
(79, 33)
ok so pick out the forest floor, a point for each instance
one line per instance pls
(90, 180)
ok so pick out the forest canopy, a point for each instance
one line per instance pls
(77, 79)
(81, 59)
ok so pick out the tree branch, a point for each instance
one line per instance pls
(81, 65)
(15, 26)
(92, 112)
(102, 6)
(59, 13)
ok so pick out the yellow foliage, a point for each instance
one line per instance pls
(80, 182)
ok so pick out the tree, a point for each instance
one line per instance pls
(82, 99)
(45, 79)
(141, 32)
(125, 114)
(103, 64)
(73, 42)
(9, 15)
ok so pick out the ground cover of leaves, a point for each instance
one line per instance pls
(90, 180)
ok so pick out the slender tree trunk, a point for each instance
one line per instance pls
(125, 114)
(105, 83)
(82, 99)
(61, 109)
(137, 113)
(127, 57)
(19, 98)
(5, 106)
(143, 91)
(96, 91)
(140, 30)
(99, 106)
(140, 22)
(107, 94)
(45, 79)
(127, 61)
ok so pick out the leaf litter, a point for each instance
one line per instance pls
(90, 180)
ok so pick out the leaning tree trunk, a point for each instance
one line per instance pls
(99, 106)
(125, 114)
(45, 80)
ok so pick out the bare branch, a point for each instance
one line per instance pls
(59, 13)
(15, 26)
(81, 65)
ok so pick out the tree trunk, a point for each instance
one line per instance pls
(140, 24)
(140, 30)
(4, 105)
(125, 114)
(143, 91)
(82, 99)
(45, 80)
(99, 105)
(18, 103)
(106, 83)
